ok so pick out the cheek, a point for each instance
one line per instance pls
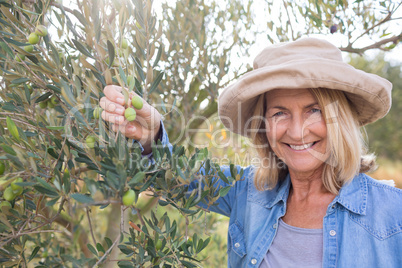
(322, 129)
(274, 133)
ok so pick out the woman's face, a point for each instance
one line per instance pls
(296, 130)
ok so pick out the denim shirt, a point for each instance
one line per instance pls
(362, 226)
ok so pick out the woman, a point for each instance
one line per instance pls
(309, 203)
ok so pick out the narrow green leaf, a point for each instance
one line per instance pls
(55, 127)
(46, 191)
(67, 94)
(108, 242)
(158, 56)
(82, 198)
(80, 17)
(8, 149)
(92, 249)
(110, 49)
(99, 77)
(43, 97)
(54, 88)
(51, 202)
(7, 49)
(12, 128)
(19, 80)
(223, 177)
(34, 252)
(99, 247)
(82, 48)
(224, 191)
(44, 183)
(156, 82)
(139, 68)
(139, 177)
(15, 42)
(55, 54)
(122, 75)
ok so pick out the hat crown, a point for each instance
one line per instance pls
(302, 49)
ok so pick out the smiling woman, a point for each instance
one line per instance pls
(308, 204)
(339, 156)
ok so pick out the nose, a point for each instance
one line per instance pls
(297, 129)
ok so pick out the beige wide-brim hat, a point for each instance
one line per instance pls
(305, 63)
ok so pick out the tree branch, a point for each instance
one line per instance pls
(395, 39)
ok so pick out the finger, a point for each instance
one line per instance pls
(111, 106)
(112, 117)
(132, 130)
(114, 94)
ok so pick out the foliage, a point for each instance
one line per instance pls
(74, 170)
(385, 135)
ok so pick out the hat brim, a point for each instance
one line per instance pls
(369, 93)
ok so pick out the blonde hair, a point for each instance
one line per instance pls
(346, 146)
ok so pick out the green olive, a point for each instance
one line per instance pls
(124, 44)
(130, 114)
(29, 48)
(130, 79)
(54, 100)
(33, 38)
(2, 168)
(43, 104)
(8, 194)
(137, 102)
(50, 104)
(128, 198)
(5, 204)
(90, 141)
(41, 30)
(19, 57)
(14, 185)
(97, 112)
(158, 245)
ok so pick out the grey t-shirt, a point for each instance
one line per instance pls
(294, 247)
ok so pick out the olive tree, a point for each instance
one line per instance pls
(75, 193)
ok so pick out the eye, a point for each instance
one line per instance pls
(316, 110)
(277, 114)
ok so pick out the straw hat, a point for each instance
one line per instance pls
(305, 63)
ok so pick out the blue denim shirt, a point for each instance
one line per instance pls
(362, 226)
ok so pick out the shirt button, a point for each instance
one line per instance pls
(274, 226)
(237, 245)
(332, 233)
(254, 261)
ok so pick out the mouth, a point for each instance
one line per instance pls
(302, 147)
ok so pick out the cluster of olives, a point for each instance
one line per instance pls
(12, 191)
(33, 39)
(130, 114)
(49, 103)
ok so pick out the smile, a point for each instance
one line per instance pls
(301, 147)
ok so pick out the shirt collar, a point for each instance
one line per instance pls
(269, 198)
(353, 195)
(282, 190)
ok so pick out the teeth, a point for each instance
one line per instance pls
(301, 147)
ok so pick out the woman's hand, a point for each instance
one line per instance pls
(145, 128)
